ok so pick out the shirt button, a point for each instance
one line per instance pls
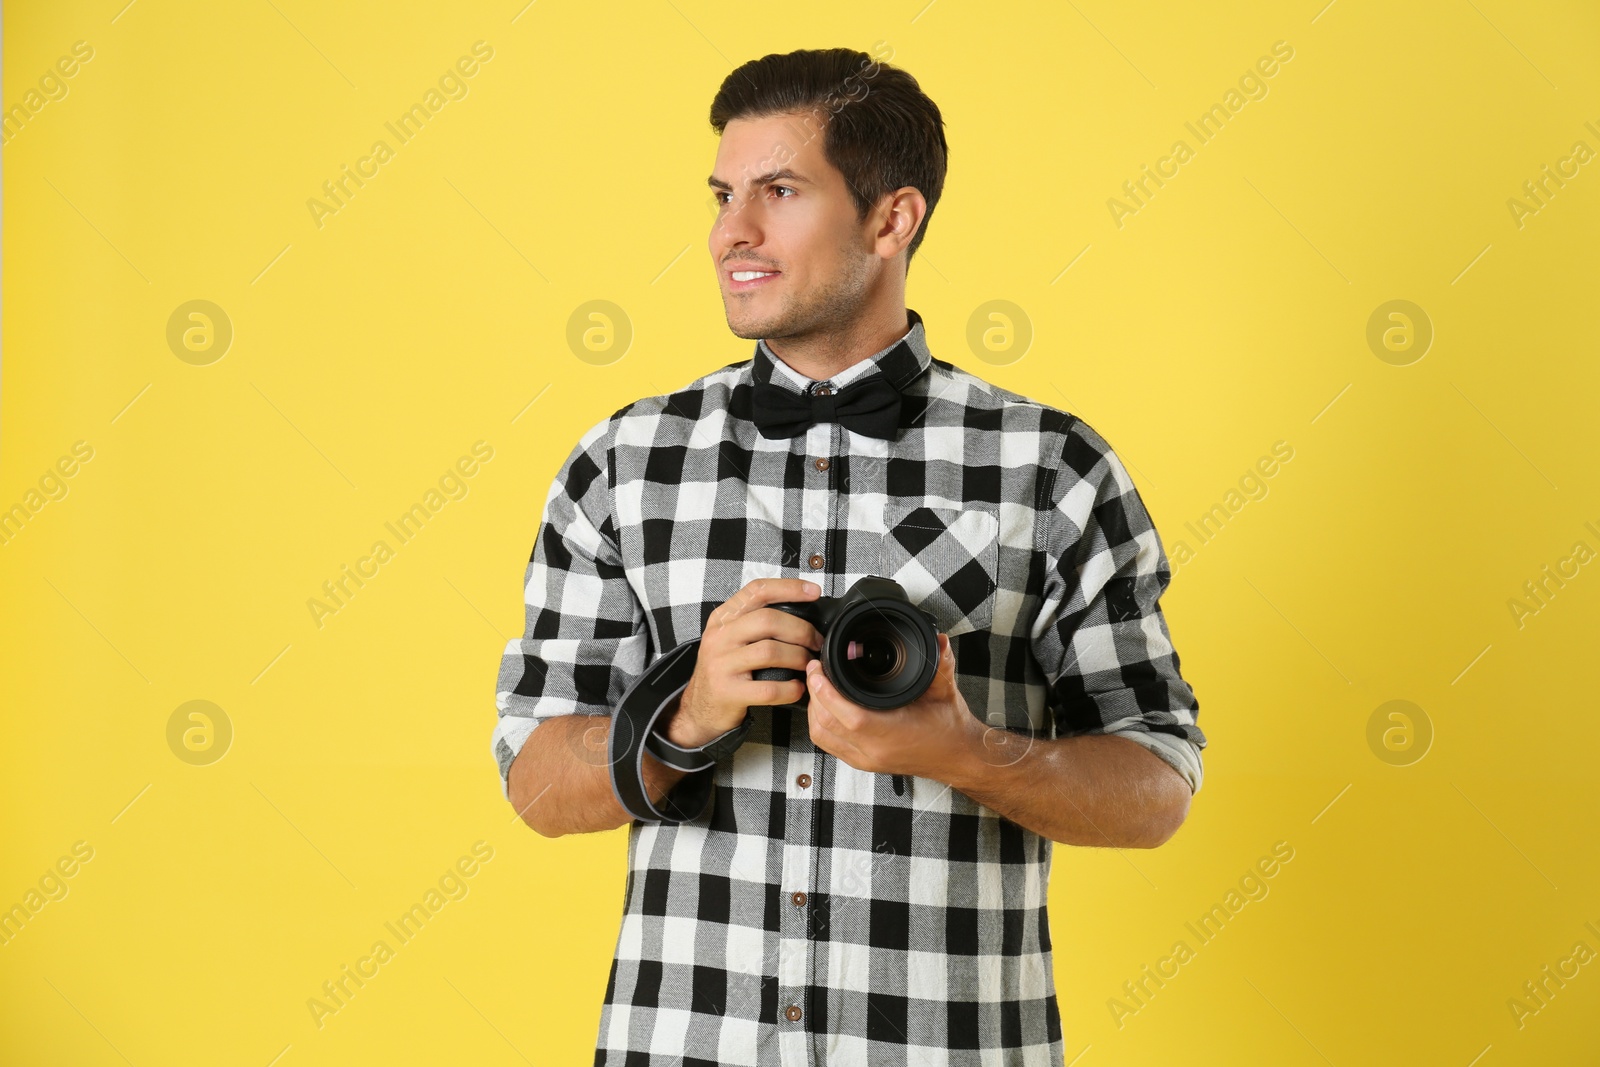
(822, 464)
(803, 781)
(824, 390)
(799, 900)
(816, 562)
(792, 1013)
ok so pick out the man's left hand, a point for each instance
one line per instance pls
(933, 737)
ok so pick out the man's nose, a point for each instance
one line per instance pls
(739, 224)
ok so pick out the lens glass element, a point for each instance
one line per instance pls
(876, 653)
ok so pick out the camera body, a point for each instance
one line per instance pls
(878, 648)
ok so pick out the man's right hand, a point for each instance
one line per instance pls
(741, 636)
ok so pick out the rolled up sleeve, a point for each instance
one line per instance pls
(1100, 636)
(584, 639)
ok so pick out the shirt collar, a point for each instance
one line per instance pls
(900, 362)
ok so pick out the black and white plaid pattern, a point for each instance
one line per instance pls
(841, 921)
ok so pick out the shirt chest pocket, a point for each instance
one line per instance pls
(946, 560)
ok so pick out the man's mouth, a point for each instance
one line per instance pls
(740, 280)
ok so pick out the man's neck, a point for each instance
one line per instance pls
(820, 356)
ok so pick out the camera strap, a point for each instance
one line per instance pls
(651, 698)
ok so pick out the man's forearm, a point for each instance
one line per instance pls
(560, 783)
(1092, 789)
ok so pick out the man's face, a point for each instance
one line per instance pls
(785, 209)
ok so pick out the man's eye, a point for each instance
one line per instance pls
(718, 196)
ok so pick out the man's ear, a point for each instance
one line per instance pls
(901, 213)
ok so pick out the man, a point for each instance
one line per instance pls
(864, 886)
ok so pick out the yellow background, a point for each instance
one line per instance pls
(368, 354)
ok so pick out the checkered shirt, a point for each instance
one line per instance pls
(816, 913)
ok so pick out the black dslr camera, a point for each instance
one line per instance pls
(878, 649)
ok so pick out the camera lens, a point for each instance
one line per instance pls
(883, 652)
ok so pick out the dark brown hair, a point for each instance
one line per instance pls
(880, 130)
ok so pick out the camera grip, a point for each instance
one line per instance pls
(817, 613)
(778, 674)
(813, 611)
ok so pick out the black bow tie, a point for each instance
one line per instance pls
(870, 406)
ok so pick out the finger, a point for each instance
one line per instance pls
(769, 653)
(753, 693)
(822, 693)
(764, 622)
(764, 591)
(827, 732)
(842, 710)
(818, 712)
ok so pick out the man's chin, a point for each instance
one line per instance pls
(750, 327)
